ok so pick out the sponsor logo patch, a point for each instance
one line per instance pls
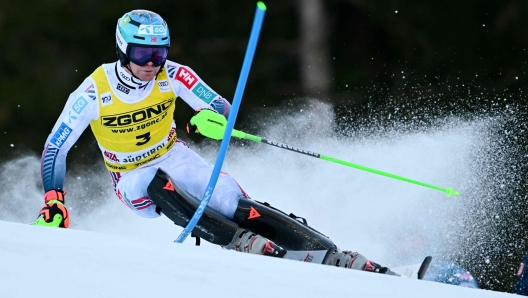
(204, 93)
(186, 77)
(79, 105)
(151, 29)
(124, 21)
(219, 105)
(61, 135)
(164, 86)
(153, 152)
(111, 156)
(169, 186)
(106, 99)
(171, 69)
(124, 76)
(253, 213)
(122, 88)
(118, 37)
(147, 114)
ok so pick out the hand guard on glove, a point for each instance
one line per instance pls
(54, 213)
(192, 129)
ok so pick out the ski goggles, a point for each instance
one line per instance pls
(141, 55)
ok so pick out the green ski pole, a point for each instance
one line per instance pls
(212, 125)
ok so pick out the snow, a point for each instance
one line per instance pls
(110, 252)
(52, 262)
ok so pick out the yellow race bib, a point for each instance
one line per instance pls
(131, 135)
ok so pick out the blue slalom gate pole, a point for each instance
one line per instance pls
(248, 59)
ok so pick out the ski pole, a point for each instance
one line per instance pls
(212, 125)
(226, 130)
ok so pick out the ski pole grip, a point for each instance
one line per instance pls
(210, 124)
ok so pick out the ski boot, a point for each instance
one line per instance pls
(249, 242)
(353, 260)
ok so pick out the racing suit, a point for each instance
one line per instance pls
(132, 121)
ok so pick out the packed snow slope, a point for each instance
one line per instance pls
(50, 262)
(112, 252)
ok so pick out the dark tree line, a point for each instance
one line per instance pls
(336, 50)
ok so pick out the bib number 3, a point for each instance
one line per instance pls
(143, 139)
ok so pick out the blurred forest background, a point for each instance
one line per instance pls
(368, 59)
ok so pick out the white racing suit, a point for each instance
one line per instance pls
(133, 123)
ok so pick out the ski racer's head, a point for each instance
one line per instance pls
(142, 43)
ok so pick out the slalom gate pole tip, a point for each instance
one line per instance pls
(261, 5)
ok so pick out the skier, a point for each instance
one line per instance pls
(129, 105)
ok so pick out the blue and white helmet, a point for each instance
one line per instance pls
(142, 28)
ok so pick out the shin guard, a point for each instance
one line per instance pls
(285, 230)
(179, 206)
